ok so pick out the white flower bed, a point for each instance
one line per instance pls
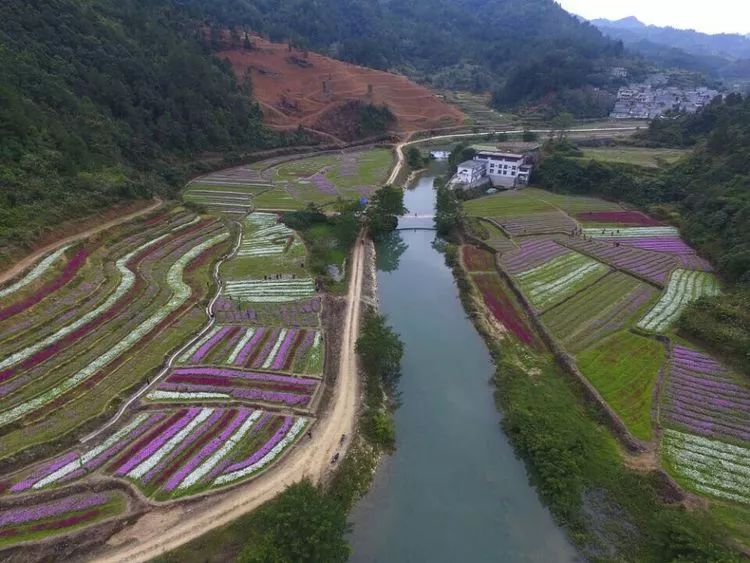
(240, 345)
(545, 283)
(221, 453)
(183, 396)
(185, 356)
(271, 291)
(684, 286)
(150, 462)
(34, 274)
(632, 232)
(267, 237)
(712, 467)
(92, 453)
(298, 426)
(126, 282)
(275, 350)
(180, 294)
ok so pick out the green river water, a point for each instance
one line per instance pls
(454, 490)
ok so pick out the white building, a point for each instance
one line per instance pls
(440, 155)
(504, 168)
(471, 172)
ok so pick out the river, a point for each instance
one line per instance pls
(454, 489)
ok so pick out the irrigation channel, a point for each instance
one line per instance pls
(454, 489)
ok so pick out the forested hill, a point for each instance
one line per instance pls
(523, 49)
(103, 101)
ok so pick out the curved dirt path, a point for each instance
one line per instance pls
(28, 261)
(164, 529)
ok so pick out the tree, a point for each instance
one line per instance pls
(385, 208)
(529, 136)
(562, 124)
(302, 525)
(414, 158)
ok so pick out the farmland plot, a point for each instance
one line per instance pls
(502, 307)
(559, 279)
(608, 306)
(684, 286)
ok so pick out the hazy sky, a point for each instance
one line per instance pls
(716, 16)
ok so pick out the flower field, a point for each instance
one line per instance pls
(35, 273)
(709, 466)
(279, 349)
(538, 224)
(532, 253)
(294, 313)
(37, 520)
(559, 278)
(266, 237)
(684, 286)
(231, 192)
(178, 451)
(270, 291)
(703, 397)
(608, 306)
(497, 300)
(628, 218)
(199, 383)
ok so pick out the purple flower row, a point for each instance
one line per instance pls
(533, 253)
(267, 447)
(281, 355)
(208, 449)
(250, 375)
(213, 341)
(22, 515)
(248, 394)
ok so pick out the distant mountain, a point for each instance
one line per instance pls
(631, 30)
(725, 55)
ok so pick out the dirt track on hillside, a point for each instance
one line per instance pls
(165, 529)
(28, 261)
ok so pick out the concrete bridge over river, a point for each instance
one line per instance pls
(416, 222)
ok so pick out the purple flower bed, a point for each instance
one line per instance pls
(267, 447)
(531, 254)
(207, 450)
(323, 184)
(43, 471)
(22, 515)
(673, 245)
(296, 313)
(233, 373)
(703, 397)
(281, 356)
(157, 442)
(213, 341)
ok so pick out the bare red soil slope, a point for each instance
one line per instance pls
(296, 88)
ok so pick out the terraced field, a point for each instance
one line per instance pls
(285, 184)
(92, 325)
(609, 291)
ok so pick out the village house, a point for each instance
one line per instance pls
(495, 167)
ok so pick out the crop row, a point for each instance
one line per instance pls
(709, 466)
(271, 291)
(198, 383)
(268, 238)
(180, 292)
(631, 232)
(539, 224)
(279, 349)
(177, 451)
(559, 278)
(654, 266)
(532, 253)
(36, 272)
(46, 517)
(604, 308)
(502, 307)
(477, 260)
(633, 218)
(704, 398)
(294, 313)
(684, 286)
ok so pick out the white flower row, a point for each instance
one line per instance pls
(275, 350)
(185, 356)
(684, 286)
(240, 345)
(298, 426)
(126, 282)
(93, 453)
(185, 396)
(150, 462)
(632, 232)
(180, 294)
(560, 263)
(204, 468)
(271, 291)
(259, 220)
(38, 270)
(544, 292)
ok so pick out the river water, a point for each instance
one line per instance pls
(454, 490)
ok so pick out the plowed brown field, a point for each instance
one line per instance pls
(297, 89)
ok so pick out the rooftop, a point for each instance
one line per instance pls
(471, 164)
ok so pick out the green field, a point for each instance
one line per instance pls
(624, 368)
(528, 201)
(634, 155)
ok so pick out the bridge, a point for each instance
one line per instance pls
(416, 222)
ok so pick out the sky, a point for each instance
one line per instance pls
(716, 16)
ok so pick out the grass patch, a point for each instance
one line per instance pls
(277, 199)
(624, 368)
(639, 156)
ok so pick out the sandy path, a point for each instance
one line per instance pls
(164, 529)
(25, 263)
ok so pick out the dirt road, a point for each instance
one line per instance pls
(31, 259)
(165, 529)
